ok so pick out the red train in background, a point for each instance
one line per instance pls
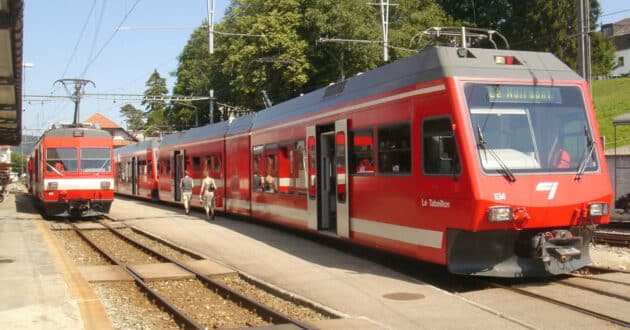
(483, 160)
(70, 171)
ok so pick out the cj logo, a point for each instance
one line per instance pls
(551, 187)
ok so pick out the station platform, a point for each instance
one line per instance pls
(39, 287)
(367, 295)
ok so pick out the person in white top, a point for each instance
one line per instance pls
(206, 196)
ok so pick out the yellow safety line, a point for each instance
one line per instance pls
(92, 311)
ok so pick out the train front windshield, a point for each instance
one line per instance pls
(64, 160)
(525, 128)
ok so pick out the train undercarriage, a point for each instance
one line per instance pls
(525, 253)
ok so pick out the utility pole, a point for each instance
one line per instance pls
(79, 84)
(384, 4)
(584, 39)
(211, 105)
(211, 28)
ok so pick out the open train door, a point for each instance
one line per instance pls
(341, 169)
(311, 161)
(327, 159)
(134, 176)
(178, 174)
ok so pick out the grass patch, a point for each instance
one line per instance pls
(611, 98)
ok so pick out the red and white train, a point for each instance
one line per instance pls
(70, 171)
(487, 161)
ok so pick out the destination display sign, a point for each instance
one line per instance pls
(523, 94)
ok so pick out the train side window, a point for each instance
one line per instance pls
(142, 167)
(216, 162)
(439, 148)
(394, 149)
(362, 151)
(196, 164)
(300, 168)
(256, 166)
(270, 182)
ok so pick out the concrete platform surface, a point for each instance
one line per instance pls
(38, 288)
(359, 290)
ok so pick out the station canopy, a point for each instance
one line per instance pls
(11, 23)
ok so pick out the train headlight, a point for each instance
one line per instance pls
(52, 185)
(500, 213)
(598, 209)
(104, 184)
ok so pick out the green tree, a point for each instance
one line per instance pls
(290, 60)
(154, 104)
(276, 63)
(18, 162)
(603, 55)
(489, 14)
(135, 117)
(537, 25)
(194, 74)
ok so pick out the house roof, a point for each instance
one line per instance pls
(101, 120)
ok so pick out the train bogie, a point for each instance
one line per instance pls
(486, 161)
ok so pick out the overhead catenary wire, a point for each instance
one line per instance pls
(76, 45)
(92, 60)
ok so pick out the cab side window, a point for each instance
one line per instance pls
(439, 156)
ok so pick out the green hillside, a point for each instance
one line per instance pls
(611, 98)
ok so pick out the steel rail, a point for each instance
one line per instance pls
(224, 291)
(617, 239)
(176, 312)
(606, 269)
(599, 291)
(563, 304)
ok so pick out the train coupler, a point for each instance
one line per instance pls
(560, 245)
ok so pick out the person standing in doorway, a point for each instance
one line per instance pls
(206, 196)
(186, 186)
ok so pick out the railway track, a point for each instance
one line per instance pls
(266, 314)
(534, 291)
(613, 238)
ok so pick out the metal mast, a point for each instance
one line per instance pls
(75, 96)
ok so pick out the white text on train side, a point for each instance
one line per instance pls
(435, 203)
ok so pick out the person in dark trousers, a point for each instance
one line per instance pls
(186, 186)
(206, 196)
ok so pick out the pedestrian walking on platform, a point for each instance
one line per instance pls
(206, 196)
(186, 185)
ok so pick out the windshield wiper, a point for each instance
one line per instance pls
(102, 167)
(54, 169)
(505, 170)
(587, 155)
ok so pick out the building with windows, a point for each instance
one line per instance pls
(620, 34)
(121, 136)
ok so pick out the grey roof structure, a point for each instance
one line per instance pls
(198, 133)
(140, 146)
(430, 64)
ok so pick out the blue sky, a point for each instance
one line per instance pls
(79, 39)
